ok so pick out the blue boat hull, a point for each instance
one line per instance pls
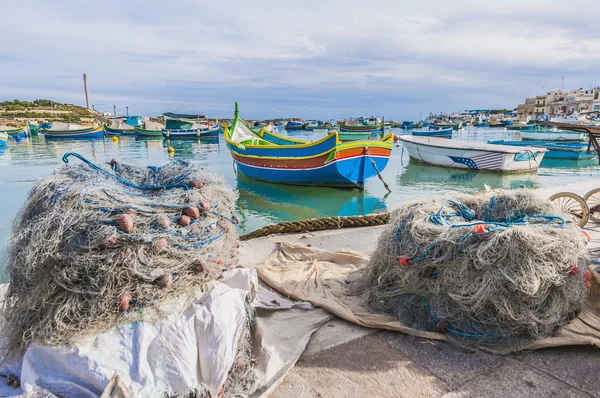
(345, 173)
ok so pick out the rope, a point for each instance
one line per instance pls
(368, 152)
(97, 168)
(319, 224)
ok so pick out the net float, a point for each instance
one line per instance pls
(184, 221)
(480, 229)
(161, 244)
(164, 281)
(125, 301)
(404, 260)
(204, 206)
(587, 235)
(125, 223)
(114, 161)
(235, 219)
(131, 212)
(574, 270)
(197, 184)
(163, 221)
(587, 275)
(192, 212)
(442, 326)
(112, 240)
(199, 266)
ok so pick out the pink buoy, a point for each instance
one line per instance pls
(196, 184)
(112, 240)
(191, 212)
(199, 266)
(204, 206)
(184, 221)
(124, 303)
(125, 223)
(235, 219)
(163, 221)
(114, 161)
(164, 281)
(161, 244)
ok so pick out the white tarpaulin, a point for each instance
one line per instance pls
(173, 355)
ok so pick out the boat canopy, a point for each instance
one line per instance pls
(148, 125)
(62, 126)
(183, 116)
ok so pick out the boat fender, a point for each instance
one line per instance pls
(198, 132)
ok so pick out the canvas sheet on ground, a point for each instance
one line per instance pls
(178, 353)
(320, 277)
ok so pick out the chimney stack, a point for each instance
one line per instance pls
(87, 93)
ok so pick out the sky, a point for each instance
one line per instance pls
(312, 59)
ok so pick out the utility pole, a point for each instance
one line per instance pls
(563, 84)
(87, 93)
(115, 110)
(127, 109)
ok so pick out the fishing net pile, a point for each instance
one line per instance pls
(492, 271)
(97, 246)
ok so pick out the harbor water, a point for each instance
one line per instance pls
(23, 162)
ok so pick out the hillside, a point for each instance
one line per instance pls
(42, 110)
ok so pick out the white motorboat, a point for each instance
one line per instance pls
(473, 155)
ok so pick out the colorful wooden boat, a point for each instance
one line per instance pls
(56, 131)
(292, 125)
(199, 131)
(122, 130)
(140, 132)
(551, 135)
(556, 150)
(362, 128)
(434, 133)
(3, 138)
(327, 162)
(472, 155)
(15, 132)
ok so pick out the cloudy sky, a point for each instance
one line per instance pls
(307, 58)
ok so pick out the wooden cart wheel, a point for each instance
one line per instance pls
(592, 199)
(573, 204)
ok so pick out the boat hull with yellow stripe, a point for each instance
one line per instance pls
(91, 132)
(16, 133)
(327, 162)
(3, 138)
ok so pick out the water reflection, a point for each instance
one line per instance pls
(433, 177)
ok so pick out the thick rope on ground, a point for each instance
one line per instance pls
(319, 224)
(492, 271)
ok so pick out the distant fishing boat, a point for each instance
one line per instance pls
(292, 125)
(311, 125)
(496, 123)
(522, 126)
(202, 131)
(3, 138)
(434, 133)
(72, 131)
(472, 155)
(14, 132)
(551, 135)
(364, 126)
(327, 162)
(119, 128)
(179, 125)
(556, 150)
(445, 125)
(150, 129)
(408, 125)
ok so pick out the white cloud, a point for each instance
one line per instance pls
(439, 54)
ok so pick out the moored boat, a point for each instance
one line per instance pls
(327, 162)
(556, 150)
(13, 132)
(150, 129)
(472, 155)
(72, 131)
(3, 138)
(445, 125)
(293, 125)
(433, 133)
(203, 131)
(551, 135)
(357, 127)
(521, 127)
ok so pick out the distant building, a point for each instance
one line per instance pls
(560, 103)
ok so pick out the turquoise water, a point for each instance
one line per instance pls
(260, 204)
